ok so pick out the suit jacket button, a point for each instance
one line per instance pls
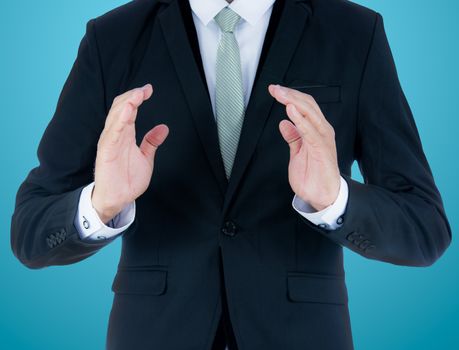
(229, 229)
(340, 220)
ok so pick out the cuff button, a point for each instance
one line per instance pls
(340, 220)
(323, 225)
(369, 248)
(364, 245)
(86, 224)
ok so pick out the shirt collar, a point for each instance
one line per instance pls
(249, 10)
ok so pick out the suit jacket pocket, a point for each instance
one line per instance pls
(141, 280)
(316, 288)
(320, 93)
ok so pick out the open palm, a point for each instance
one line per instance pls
(123, 170)
(313, 168)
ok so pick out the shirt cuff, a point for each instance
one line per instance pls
(330, 217)
(89, 225)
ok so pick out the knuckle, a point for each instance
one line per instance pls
(309, 98)
(323, 130)
(150, 142)
(112, 139)
(108, 118)
(294, 94)
(117, 99)
(134, 93)
(127, 107)
(100, 143)
(102, 134)
(331, 130)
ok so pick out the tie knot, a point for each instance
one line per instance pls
(227, 20)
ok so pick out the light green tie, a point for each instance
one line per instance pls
(229, 97)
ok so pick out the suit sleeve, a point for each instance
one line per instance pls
(42, 225)
(397, 214)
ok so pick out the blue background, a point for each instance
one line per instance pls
(67, 307)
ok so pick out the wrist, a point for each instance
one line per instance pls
(328, 200)
(105, 211)
(319, 206)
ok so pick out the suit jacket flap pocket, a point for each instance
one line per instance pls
(320, 93)
(304, 287)
(140, 281)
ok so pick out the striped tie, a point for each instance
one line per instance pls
(229, 97)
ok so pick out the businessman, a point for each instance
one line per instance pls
(216, 138)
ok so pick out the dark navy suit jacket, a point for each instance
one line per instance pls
(284, 276)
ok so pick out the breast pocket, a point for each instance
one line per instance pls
(321, 93)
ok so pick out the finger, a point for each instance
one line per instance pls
(305, 127)
(291, 135)
(125, 112)
(285, 94)
(152, 140)
(138, 95)
(305, 104)
(114, 131)
(316, 118)
(134, 97)
(290, 94)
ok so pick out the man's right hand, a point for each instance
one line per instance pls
(123, 170)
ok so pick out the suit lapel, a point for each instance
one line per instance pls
(194, 87)
(286, 37)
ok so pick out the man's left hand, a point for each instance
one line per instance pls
(313, 170)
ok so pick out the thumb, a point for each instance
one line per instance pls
(291, 135)
(152, 140)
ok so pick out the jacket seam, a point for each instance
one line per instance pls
(362, 75)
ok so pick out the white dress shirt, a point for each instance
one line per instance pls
(249, 33)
